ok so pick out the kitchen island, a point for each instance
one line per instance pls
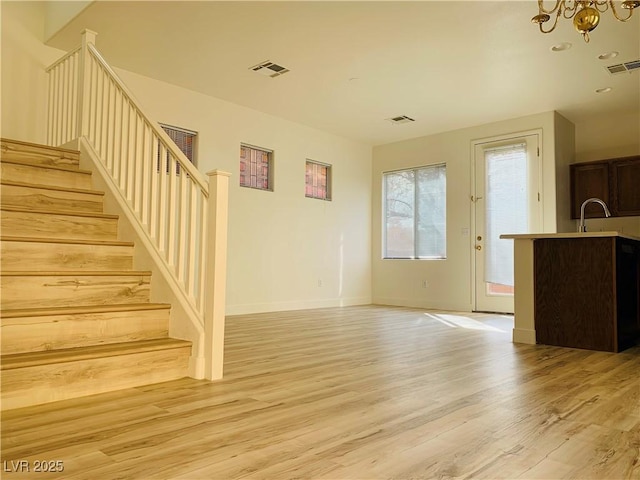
(578, 290)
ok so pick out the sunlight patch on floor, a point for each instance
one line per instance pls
(459, 321)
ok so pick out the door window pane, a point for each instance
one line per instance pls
(507, 208)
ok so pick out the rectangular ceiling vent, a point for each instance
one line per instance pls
(626, 67)
(269, 69)
(401, 119)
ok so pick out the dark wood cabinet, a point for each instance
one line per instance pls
(589, 180)
(625, 174)
(587, 292)
(616, 181)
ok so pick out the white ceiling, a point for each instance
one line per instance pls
(447, 64)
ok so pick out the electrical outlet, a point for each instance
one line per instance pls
(425, 284)
(319, 282)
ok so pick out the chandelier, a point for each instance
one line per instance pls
(585, 14)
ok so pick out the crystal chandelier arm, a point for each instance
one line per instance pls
(615, 12)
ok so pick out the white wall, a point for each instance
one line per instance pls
(24, 81)
(565, 147)
(613, 136)
(449, 282)
(59, 13)
(282, 246)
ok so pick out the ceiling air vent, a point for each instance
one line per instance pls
(626, 67)
(269, 69)
(401, 119)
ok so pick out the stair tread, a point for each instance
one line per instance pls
(38, 145)
(74, 273)
(21, 360)
(47, 311)
(111, 243)
(71, 213)
(43, 186)
(47, 167)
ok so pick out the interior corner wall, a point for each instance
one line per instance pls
(565, 148)
(449, 282)
(613, 136)
(286, 251)
(24, 81)
(58, 14)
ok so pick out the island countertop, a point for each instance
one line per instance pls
(535, 236)
(577, 290)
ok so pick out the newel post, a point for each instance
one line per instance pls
(216, 273)
(84, 77)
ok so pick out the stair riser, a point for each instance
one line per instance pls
(50, 332)
(42, 198)
(63, 291)
(51, 355)
(41, 225)
(28, 386)
(38, 155)
(36, 256)
(13, 172)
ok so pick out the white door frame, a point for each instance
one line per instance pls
(472, 208)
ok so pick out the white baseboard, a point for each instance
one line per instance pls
(524, 335)
(430, 305)
(244, 309)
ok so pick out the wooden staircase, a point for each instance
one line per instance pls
(76, 319)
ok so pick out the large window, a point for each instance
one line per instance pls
(256, 167)
(415, 213)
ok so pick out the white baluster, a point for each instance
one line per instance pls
(50, 109)
(154, 171)
(183, 226)
(147, 172)
(95, 95)
(194, 240)
(173, 211)
(163, 193)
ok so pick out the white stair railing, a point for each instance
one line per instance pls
(62, 120)
(182, 215)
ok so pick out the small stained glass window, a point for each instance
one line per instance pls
(256, 168)
(317, 180)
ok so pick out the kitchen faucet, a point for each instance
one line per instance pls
(582, 228)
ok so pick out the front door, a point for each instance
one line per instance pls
(506, 200)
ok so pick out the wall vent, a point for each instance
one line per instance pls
(400, 119)
(269, 69)
(626, 67)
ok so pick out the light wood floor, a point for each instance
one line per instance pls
(356, 393)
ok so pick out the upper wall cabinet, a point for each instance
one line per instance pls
(589, 180)
(626, 178)
(616, 181)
